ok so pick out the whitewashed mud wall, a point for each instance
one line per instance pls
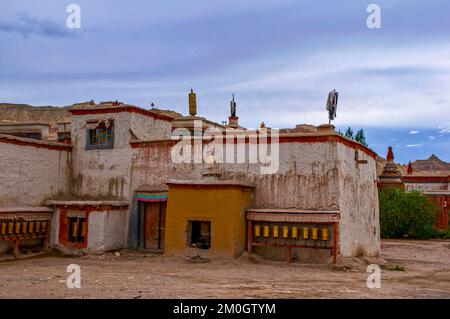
(30, 175)
(358, 202)
(100, 174)
(307, 176)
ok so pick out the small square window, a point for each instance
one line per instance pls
(100, 135)
(199, 234)
(77, 230)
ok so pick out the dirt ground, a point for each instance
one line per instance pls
(410, 269)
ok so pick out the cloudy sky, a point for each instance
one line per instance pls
(280, 57)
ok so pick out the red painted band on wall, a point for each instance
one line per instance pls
(426, 179)
(130, 109)
(91, 208)
(21, 142)
(282, 139)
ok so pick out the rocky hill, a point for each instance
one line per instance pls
(431, 166)
(27, 113)
(433, 163)
(49, 114)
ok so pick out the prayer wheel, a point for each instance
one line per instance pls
(266, 231)
(75, 227)
(3, 229)
(285, 231)
(10, 228)
(275, 231)
(44, 226)
(24, 227)
(294, 232)
(315, 233)
(257, 230)
(38, 227)
(325, 234)
(305, 232)
(17, 227)
(83, 229)
(31, 227)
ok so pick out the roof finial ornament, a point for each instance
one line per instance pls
(192, 103)
(390, 154)
(409, 170)
(233, 107)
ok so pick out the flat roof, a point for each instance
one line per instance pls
(86, 203)
(108, 108)
(25, 209)
(23, 123)
(10, 139)
(314, 137)
(291, 211)
(438, 192)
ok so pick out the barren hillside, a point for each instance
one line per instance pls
(27, 113)
(50, 114)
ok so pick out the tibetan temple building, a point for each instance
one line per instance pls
(120, 176)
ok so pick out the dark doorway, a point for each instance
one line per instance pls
(200, 234)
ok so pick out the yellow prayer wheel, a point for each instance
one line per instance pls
(275, 231)
(38, 227)
(266, 231)
(305, 232)
(75, 228)
(294, 232)
(31, 227)
(257, 230)
(44, 226)
(3, 230)
(325, 234)
(17, 227)
(285, 231)
(10, 228)
(24, 227)
(315, 233)
(83, 229)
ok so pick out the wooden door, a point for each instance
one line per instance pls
(162, 228)
(154, 224)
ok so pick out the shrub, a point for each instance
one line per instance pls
(405, 214)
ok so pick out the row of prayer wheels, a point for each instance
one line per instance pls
(291, 232)
(23, 227)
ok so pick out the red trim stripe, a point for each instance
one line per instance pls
(63, 147)
(286, 139)
(426, 179)
(130, 109)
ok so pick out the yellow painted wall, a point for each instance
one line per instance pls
(224, 207)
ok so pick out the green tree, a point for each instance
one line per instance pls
(360, 137)
(349, 133)
(405, 214)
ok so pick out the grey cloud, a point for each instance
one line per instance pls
(27, 25)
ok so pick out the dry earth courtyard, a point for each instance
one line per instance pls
(410, 269)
